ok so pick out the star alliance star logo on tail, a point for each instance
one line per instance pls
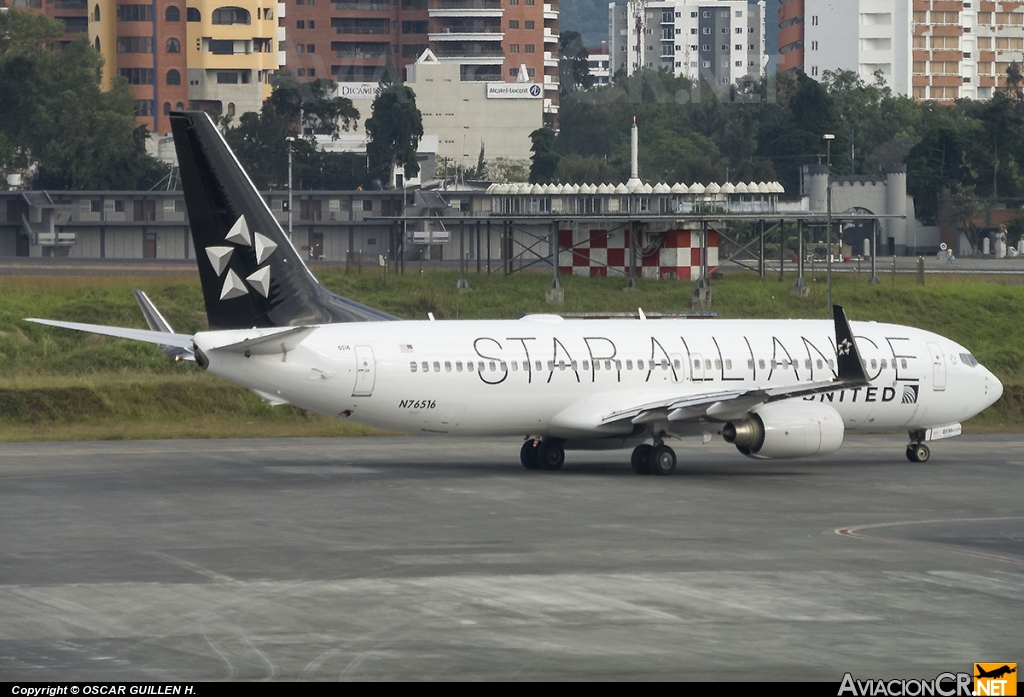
(220, 257)
(844, 347)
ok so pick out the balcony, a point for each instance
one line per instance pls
(550, 11)
(468, 35)
(361, 6)
(466, 8)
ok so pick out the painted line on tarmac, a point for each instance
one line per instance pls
(852, 532)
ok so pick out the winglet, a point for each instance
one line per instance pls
(848, 361)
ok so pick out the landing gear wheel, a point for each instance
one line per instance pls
(528, 456)
(662, 460)
(641, 459)
(918, 452)
(550, 456)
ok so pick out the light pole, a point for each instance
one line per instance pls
(291, 141)
(828, 216)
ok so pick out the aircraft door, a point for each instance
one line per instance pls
(938, 367)
(364, 372)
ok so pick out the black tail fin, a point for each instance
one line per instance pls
(251, 274)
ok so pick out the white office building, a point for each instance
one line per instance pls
(720, 42)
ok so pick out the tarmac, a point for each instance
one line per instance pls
(417, 559)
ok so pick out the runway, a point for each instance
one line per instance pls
(416, 559)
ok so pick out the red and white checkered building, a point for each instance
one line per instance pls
(669, 254)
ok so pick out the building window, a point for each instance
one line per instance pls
(96, 14)
(300, 48)
(311, 24)
(513, 24)
(173, 77)
(528, 48)
(134, 44)
(528, 24)
(137, 76)
(144, 107)
(814, 45)
(300, 24)
(513, 48)
(167, 108)
(172, 46)
(231, 15)
(310, 48)
(172, 14)
(223, 47)
(192, 15)
(300, 72)
(134, 13)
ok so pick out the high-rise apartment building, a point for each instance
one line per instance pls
(720, 42)
(71, 12)
(352, 41)
(928, 49)
(202, 55)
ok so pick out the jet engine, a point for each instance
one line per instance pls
(787, 429)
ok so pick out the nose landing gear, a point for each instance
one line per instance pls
(918, 452)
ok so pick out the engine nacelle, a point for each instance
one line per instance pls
(786, 430)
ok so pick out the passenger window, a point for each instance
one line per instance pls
(718, 364)
(728, 364)
(574, 365)
(480, 366)
(551, 366)
(629, 365)
(874, 364)
(618, 365)
(539, 366)
(504, 366)
(586, 365)
(412, 366)
(639, 365)
(469, 366)
(830, 364)
(426, 367)
(774, 364)
(458, 366)
(447, 366)
(676, 364)
(608, 365)
(750, 364)
(903, 363)
(664, 364)
(820, 364)
(760, 363)
(492, 366)
(707, 364)
(883, 364)
(515, 366)
(437, 366)
(561, 365)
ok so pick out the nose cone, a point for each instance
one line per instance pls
(993, 387)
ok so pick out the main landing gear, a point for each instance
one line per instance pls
(653, 459)
(546, 454)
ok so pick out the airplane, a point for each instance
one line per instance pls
(995, 673)
(773, 388)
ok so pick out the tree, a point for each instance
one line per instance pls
(965, 206)
(55, 117)
(313, 105)
(574, 64)
(544, 162)
(394, 130)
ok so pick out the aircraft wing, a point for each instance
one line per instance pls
(182, 341)
(727, 405)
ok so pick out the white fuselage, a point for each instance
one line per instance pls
(544, 376)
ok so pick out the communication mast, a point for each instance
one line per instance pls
(637, 10)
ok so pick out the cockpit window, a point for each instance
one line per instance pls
(968, 359)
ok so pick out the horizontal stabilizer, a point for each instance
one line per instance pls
(265, 342)
(183, 341)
